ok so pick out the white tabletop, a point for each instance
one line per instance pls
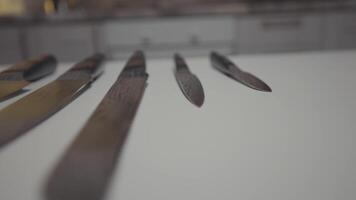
(296, 143)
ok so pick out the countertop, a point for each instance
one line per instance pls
(297, 142)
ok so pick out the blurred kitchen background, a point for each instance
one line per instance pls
(73, 29)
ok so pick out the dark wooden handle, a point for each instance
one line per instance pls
(180, 63)
(89, 68)
(35, 68)
(221, 62)
(90, 64)
(46, 66)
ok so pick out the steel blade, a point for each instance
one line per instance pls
(24, 114)
(189, 84)
(251, 81)
(29, 111)
(224, 65)
(86, 168)
(191, 88)
(10, 87)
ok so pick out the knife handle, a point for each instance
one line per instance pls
(34, 69)
(91, 65)
(135, 66)
(180, 63)
(221, 62)
(89, 68)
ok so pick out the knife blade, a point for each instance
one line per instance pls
(26, 113)
(189, 84)
(224, 65)
(22, 74)
(86, 167)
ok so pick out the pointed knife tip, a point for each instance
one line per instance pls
(199, 104)
(257, 84)
(198, 99)
(263, 88)
(268, 89)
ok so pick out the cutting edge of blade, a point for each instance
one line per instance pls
(198, 92)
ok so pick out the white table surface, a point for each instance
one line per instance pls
(296, 143)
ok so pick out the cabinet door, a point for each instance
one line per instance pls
(340, 31)
(278, 33)
(166, 34)
(67, 42)
(10, 46)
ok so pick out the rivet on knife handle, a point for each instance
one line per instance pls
(227, 67)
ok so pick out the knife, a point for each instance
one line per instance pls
(227, 67)
(188, 82)
(22, 74)
(26, 113)
(86, 167)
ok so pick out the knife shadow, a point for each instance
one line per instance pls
(59, 190)
(14, 94)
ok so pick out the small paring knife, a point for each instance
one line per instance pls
(224, 65)
(188, 82)
(20, 75)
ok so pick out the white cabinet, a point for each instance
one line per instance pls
(10, 46)
(340, 31)
(66, 42)
(166, 35)
(161, 37)
(278, 33)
